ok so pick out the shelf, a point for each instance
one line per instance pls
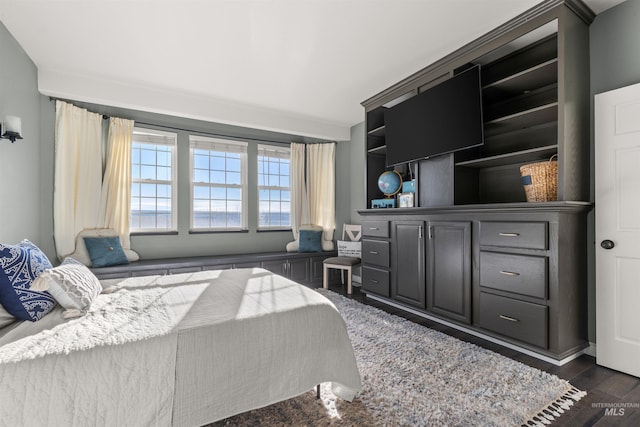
(523, 82)
(521, 139)
(379, 131)
(535, 116)
(524, 156)
(382, 150)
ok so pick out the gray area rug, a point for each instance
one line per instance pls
(415, 376)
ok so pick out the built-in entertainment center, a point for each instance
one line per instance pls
(473, 252)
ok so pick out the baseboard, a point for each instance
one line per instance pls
(557, 362)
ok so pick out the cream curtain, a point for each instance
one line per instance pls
(321, 187)
(115, 200)
(78, 174)
(299, 200)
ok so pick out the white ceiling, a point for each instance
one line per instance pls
(296, 66)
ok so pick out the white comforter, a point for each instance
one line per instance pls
(181, 350)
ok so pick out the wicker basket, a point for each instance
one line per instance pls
(540, 180)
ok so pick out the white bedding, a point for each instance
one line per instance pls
(180, 350)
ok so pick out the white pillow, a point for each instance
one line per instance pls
(71, 284)
(81, 253)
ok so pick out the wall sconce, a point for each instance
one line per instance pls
(11, 128)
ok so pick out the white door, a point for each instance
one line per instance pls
(617, 177)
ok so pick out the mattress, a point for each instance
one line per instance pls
(182, 350)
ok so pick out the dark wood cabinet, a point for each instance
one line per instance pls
(303, 268)
(449, 266)
(376, 257)
(408, 265)
(295, 269)
(513, 272)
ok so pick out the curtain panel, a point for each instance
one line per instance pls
(115, 202)
(321, 187)
(78, 174)
(299, 201)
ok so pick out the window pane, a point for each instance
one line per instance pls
(164, 190)
(200, 175)
(147, 172)
(164, 173)
(233, 165)
(152, 203)
(201, 162)
(148, 190)
(226, 178)
(234, 178)
(148, 157)
(234, 194)
(217, 177)
(274, 192)
(200, 192)
(217, 163)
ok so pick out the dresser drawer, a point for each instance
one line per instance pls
(521, 320)
(530, 235)
(375, 228)
(375, 280)
(526, 275)
(375, 252)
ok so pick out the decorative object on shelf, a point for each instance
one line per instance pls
(11, 128)
(390, 183)
(409, 186)
(405, 200)
(540, 180)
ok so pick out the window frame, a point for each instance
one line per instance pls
(220, 145)
(279, 152)
(157, 137)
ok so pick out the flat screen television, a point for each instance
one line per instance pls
(440, 120)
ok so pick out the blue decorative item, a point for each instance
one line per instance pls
(390, 183)
(105, 251)
(20, 265)
(310, 241)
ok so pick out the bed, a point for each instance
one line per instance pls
(182, 350)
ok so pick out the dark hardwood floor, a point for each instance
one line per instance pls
(604, 387)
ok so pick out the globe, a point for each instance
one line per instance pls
(390, 183)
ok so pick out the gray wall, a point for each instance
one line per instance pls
(21, 162)
(614, 38)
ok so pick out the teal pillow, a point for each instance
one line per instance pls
(105, 251)
(310, 241)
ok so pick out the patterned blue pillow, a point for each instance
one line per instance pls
(19, 266)
(310, 241)
(105, 251)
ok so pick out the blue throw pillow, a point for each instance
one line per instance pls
(105, 251)
(310, 241)
(19, 266)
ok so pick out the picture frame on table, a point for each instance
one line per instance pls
(406, 200)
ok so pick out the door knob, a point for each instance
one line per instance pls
(607, 244)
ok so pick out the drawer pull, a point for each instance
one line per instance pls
(509, 273)
(374, 281)
(373, 253)
(509, 318)
(509, 234)
(374, 228)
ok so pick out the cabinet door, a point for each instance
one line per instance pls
(277, 266)
(298, 270)
(408, 248)
(449, 284)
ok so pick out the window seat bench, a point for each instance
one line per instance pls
(305, 268)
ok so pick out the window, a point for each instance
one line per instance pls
(274, 190)
(218, 184)
(153, 181)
